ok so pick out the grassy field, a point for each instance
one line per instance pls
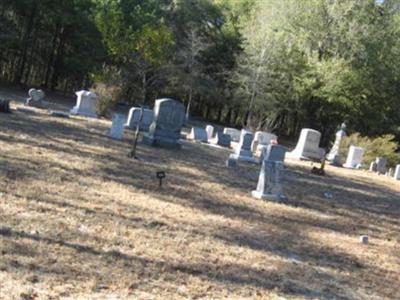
(79, 220)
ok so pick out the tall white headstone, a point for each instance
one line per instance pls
(397, 173)
(269, 185)
(308, 146)
(334, 155)
(117, 126)
(210, 132)
(354, 157)
(85, 104)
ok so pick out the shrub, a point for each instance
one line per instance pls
(384, 146)
(107, 97)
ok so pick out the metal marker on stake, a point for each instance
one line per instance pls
(160, 175)
(132, 153)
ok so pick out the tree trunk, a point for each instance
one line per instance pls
(25, 43)
(51, 58)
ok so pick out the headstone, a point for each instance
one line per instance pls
(234, 133)
(269, 186)
(364, 239)
(380, 165)
(373, 167)
(85, 104)
(390, 172)
(198, 134)
(354, 157)
(231, 162)
(134, 115)
(165, 131)
(397, 173)
(334, 155)
(273, 152)
(5, 106)
(307, 147)
(222, 139)
(58, 113)
(243, 151)
(36, 98)
(262, 138)
(117, 126)
(210, 132)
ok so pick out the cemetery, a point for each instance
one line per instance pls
(77, 210)
(199, 149)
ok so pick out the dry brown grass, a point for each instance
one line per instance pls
(79, 220)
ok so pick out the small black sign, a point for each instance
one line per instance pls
(160, 175)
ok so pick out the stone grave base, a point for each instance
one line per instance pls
(29, 110)
(259, 195)
(77, 111)
(161, 142)
(246, 158)
(59, 113)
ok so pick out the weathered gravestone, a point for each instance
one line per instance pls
(198, 134)
(222, 139)
(354, 157)
(36, 98)
(397, 173)
(5, 106)
(243, 151)
(134, 116)
(334, 155)
(234, 133)
(269, 186)
(307, 147)
(381, 165)
(210, 132)
(85, 104)
(165, 131)
(117, 126)
(261, 139)
(273, 152)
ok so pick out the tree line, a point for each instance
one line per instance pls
(277, 65)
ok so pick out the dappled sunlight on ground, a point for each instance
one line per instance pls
(80, 219)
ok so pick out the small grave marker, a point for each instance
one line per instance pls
(160, 176)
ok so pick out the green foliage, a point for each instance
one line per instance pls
(382, 146)
(107, 98)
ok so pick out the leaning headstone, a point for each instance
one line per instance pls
(165, 131)
(134, 116)
(373, 167)
(234, 133)
(269, 185)
(307, 147)
(334, 155)
(85, 104)
(397, 173)
(5, 106)
(380, 165)
(210, 132)
(243, 151)
(36, 98)
(273, 152)
(262, 138)
(117, 126)
(354, 157)
(198, 134)
(222, 139)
